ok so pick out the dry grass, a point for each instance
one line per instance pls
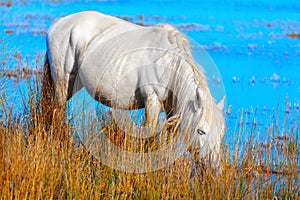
(45, 162)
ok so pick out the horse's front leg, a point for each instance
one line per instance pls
(152, 111)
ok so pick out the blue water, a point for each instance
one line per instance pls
(251, 43)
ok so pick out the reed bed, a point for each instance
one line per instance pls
(40, 159)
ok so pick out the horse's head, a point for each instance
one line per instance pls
(208, 127)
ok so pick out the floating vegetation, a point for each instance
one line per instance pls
(293, 35)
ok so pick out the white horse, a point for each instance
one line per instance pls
(127, 66)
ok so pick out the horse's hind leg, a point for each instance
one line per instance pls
(53, 98)
(67, 85)
(66, 79)
(61, 90)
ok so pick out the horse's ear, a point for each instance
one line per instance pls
(197, 102)
(221, 103)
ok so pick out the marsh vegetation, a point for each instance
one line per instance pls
(49, 163)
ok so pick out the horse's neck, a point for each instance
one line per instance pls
(186, 83)
(183, 86)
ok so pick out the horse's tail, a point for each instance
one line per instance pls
(47, 103)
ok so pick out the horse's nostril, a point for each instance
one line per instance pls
(200, 132)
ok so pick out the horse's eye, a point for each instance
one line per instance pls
(200, 132)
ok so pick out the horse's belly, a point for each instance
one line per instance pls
(115, 92)
(124, 102)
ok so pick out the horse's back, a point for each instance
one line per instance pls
(75, 31)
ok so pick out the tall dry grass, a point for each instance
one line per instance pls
(39, 161)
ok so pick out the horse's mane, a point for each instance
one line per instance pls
(182, 47)
(182, 42)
